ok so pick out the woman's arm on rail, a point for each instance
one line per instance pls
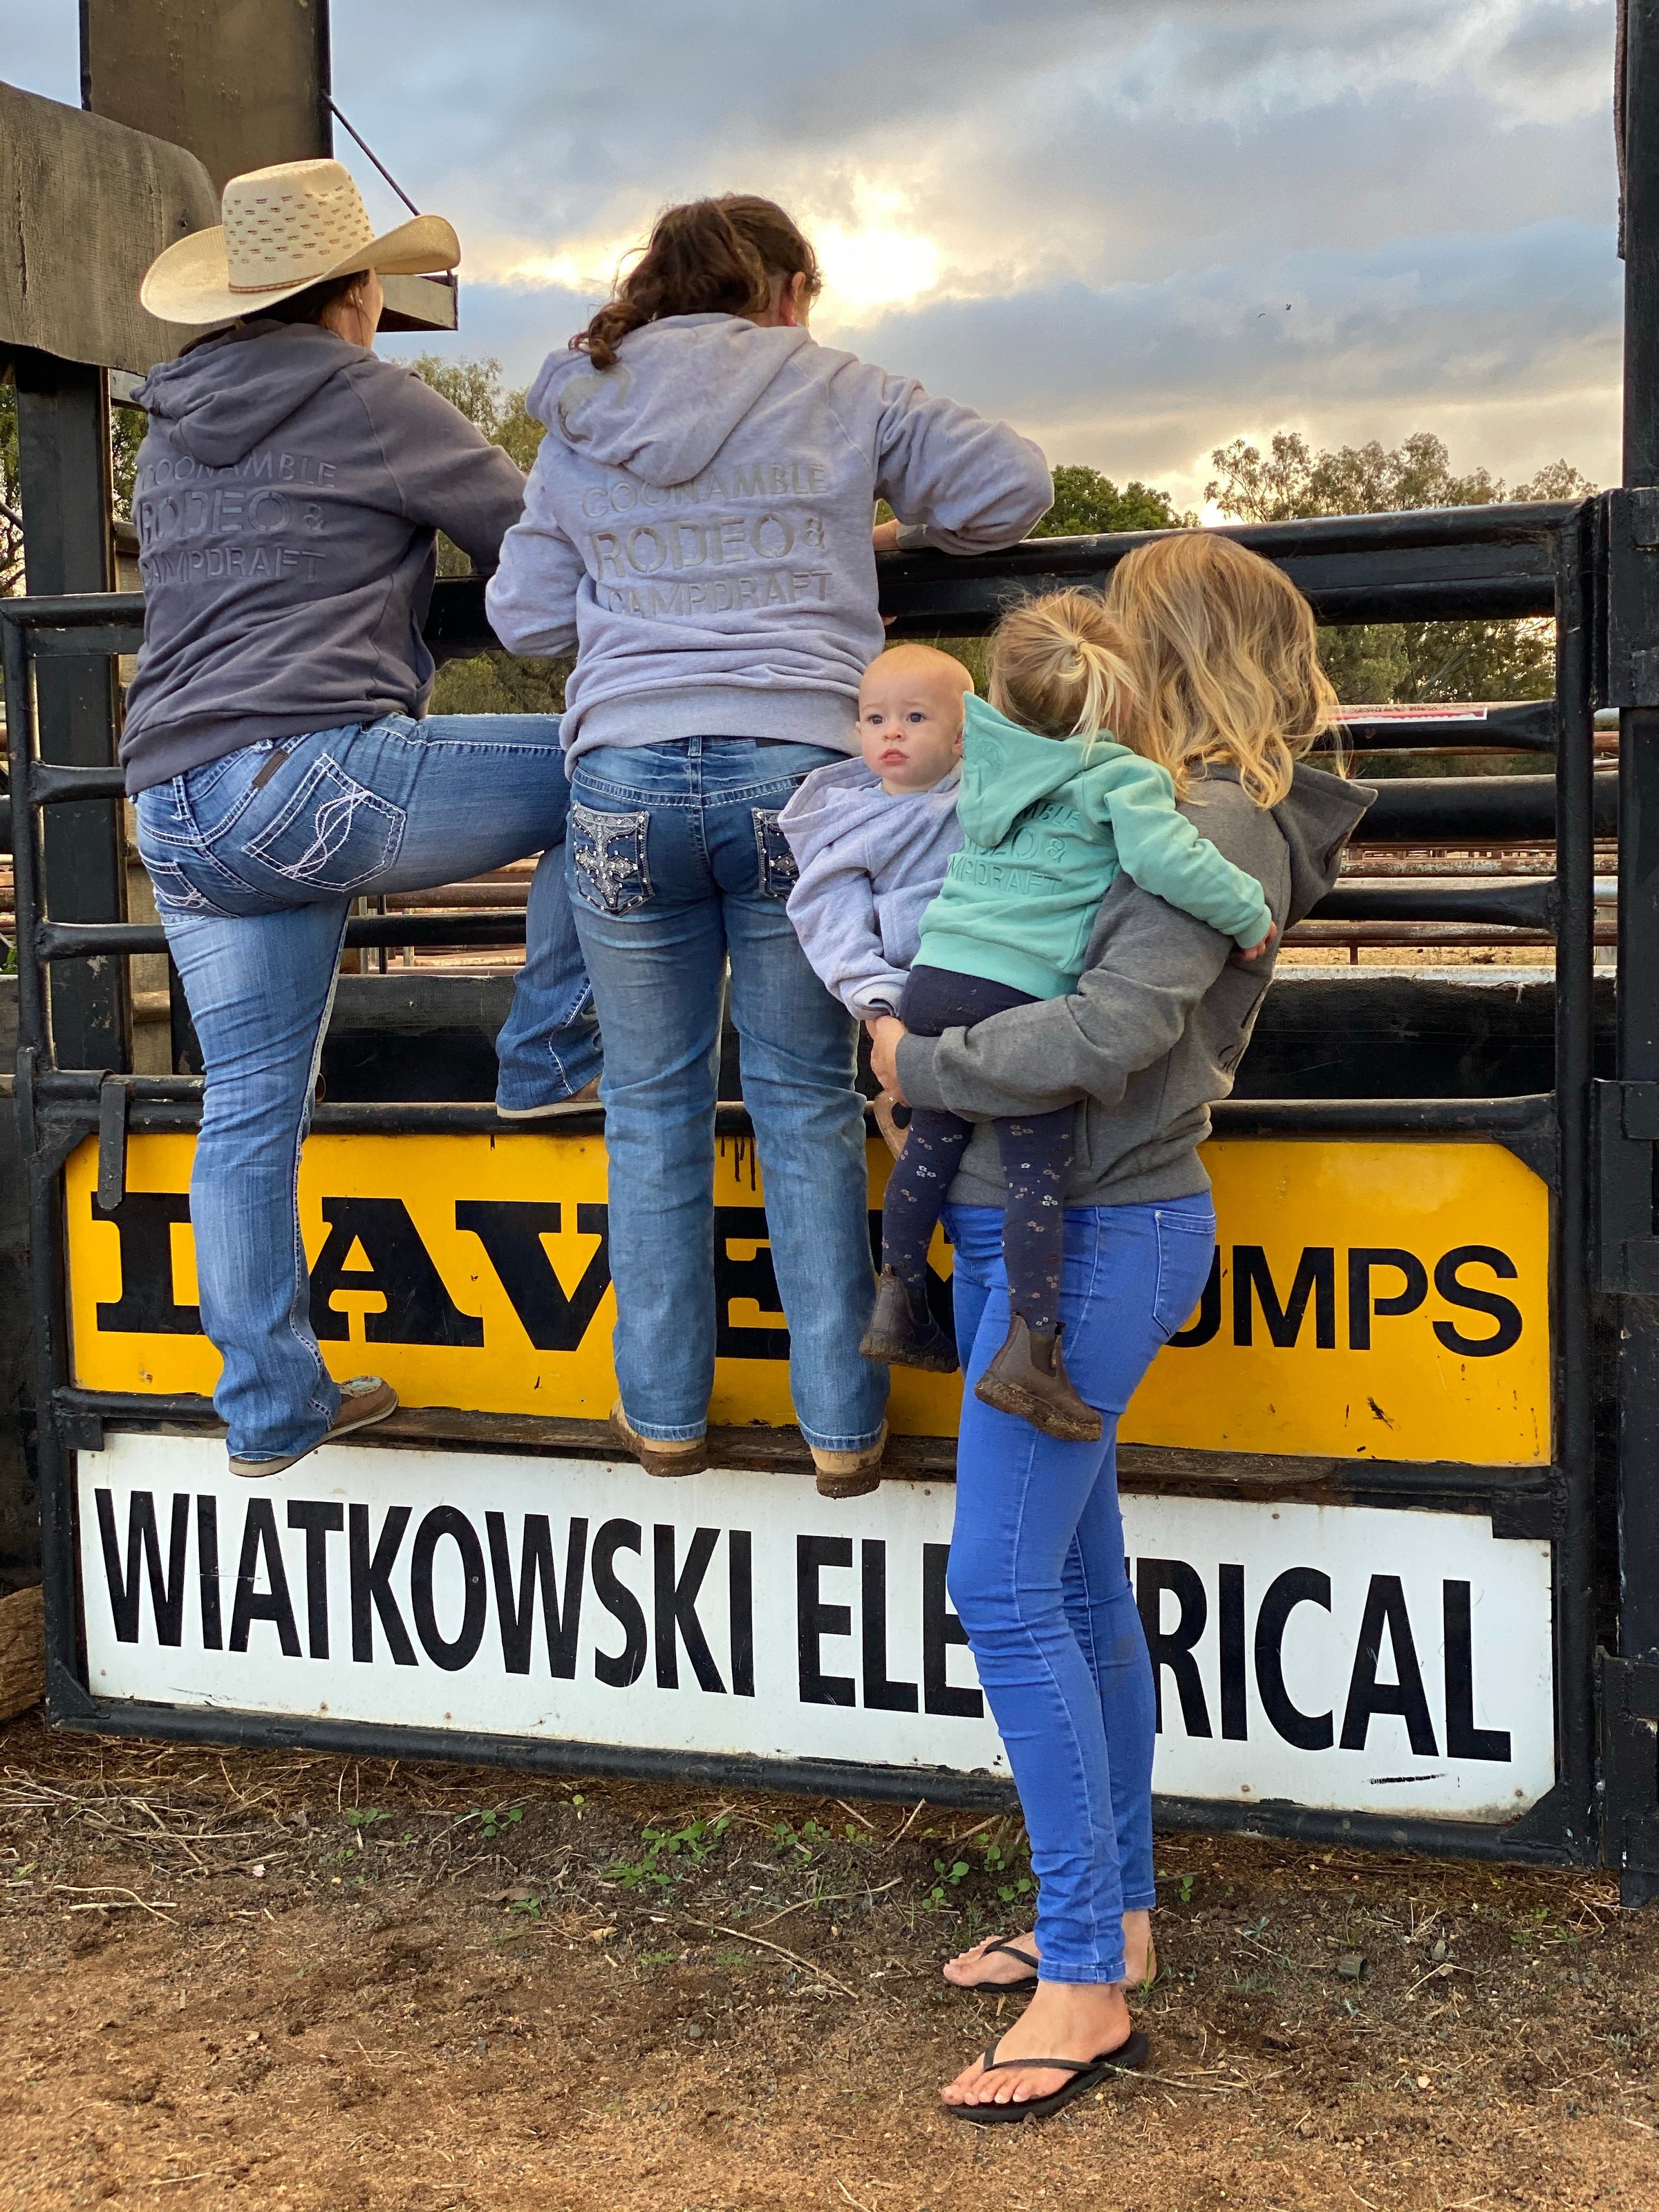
(957, 482)
(532, 598)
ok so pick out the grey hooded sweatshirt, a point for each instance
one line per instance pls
(290, 490)
(697, 526)
(1160, 1017)
(870, 865)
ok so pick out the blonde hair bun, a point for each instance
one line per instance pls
(1059, 665)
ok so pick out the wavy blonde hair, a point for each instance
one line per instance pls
(1226, 662)
(1060, 665)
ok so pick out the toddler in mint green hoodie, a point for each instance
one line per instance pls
(1051, 808)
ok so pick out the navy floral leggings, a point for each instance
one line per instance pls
(1036, 1162)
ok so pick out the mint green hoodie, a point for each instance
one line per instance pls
(1048, 824)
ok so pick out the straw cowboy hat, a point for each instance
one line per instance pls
(286, 228)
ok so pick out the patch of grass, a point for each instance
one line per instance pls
(668, 1853)
(808, 1842)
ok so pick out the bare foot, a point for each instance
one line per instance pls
(1065, 2019)
(982, 1965)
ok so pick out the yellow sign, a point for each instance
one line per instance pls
(1375, 1298)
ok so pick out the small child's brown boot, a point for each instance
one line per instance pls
(1028, 1378)
(903, 1332)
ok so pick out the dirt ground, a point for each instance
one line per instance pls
(294, 1983)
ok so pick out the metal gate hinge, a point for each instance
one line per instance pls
(1626, 1118)
(113, 1095)
(1632, 633)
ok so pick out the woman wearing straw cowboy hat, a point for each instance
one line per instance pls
(290, 490)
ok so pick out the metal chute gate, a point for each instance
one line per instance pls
(1362, 1490)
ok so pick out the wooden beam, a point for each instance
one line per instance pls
(89, 205)
(242, 83)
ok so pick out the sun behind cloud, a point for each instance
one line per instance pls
(876, 264)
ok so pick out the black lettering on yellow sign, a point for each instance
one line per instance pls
(1313, 1287)
(147, 1307)
(511, 1234)
(417, 1307)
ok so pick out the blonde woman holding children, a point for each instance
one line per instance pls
(1049, 808)
(699, 525)
(1213, 655)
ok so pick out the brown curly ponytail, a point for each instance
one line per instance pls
(707, 256)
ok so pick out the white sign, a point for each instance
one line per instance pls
(1338, 1657)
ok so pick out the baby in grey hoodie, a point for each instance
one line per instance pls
(872, 836)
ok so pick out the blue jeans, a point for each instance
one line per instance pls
(676, 864)
(256, 857)
(1037, 1572)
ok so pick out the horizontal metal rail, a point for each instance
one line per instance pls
(1527, 904)
(1532, 727)
(97, 940)
(1478, 810)
(1432, 565)
(160, 1102)
(1437, 564)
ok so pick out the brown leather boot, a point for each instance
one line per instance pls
(905, 1334)
(1028, 1378)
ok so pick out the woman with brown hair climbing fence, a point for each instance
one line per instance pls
(699, 526)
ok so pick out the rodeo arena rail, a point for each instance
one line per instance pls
(1399, 1572)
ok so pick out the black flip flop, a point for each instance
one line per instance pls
(1086, 2073)
(1025, 1982)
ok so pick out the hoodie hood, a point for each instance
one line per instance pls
(1316, 818)
(223, 398)
(845, 801)
(679, 389)
(1006, 769)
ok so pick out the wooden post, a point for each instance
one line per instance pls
(22, 1652)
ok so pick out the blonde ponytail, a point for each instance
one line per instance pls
(1225, 661)
(1059, 665)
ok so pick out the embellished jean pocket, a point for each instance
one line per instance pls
(778, 873)
(333, 835)
(174, 891)
(608, 860)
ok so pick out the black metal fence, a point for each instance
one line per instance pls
(1585, 564)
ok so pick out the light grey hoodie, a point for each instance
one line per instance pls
(870, 865)
(1159, 1019)
(697, 528)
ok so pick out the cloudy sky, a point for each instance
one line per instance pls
(1135, 230)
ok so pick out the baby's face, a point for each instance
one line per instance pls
(909, 724)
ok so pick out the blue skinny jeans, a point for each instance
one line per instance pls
(255, 858)
(678, 871)
(1037, 1572)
